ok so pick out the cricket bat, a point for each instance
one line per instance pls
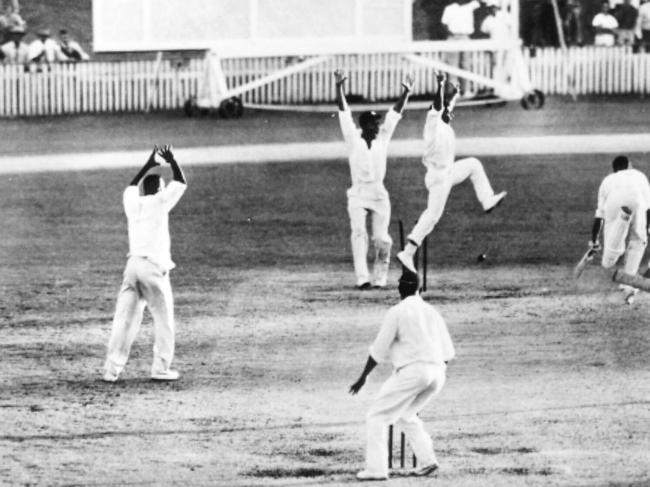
(580, 266)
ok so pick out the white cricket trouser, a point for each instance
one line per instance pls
(621, 227)
(400, 399)
(144, 283)
(439, 185)
(379, 211)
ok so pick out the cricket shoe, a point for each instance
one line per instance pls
(407, 261)
(109, 376)
(426, 470)
(365, 475)
(168, 374)
(494, 201)
(380, 283)
(364, 286)
(629, 293)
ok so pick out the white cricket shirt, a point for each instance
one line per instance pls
(49, 47)
(459, 19)
(412, 331)
(629, 184)
(368, 164)
(439, 143)
(643, 20)
(604, 21)
(148, 222)
(497, 26)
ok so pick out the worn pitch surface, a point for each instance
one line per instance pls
(551, 385)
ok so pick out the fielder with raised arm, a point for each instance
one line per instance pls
(146, 276)
(368, 152)
(623, 213)
(414, 338)
(443, 173)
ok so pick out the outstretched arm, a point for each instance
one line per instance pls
(356, 387)
(168, 156)
(151, 162)
(407, 86)
(340, 78)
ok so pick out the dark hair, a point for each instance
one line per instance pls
(151, 184)
(369, 116)
(620, 162)
(409, 283)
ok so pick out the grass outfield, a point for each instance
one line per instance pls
(118, 132)
(550, 386)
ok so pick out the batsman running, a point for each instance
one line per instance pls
(413, 338)
(146, 276)
(623, 214)
(368, 152)
(443, 173)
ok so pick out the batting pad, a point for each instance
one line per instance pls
(614, 241)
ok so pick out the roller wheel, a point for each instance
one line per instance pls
(533, 100)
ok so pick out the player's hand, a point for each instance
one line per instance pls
(151, 162)
(356, 387)
(339, 76)
(407, 84)
(166, 153)
(594, 246)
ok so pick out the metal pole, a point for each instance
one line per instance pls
(390, 446)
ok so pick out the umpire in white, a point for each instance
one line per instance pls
(414, 339)
(146, 277)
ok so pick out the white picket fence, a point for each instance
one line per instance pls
(136, 86)
(589, 71)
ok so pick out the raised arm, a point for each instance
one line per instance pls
(340, 78)
(166, 153)
(151, 163)
(439, 99)
(407, 86)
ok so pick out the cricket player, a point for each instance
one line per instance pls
(368, 151)
(443, 173)
(146, 277)
(414, 339)
(623, 214)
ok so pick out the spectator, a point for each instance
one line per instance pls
(626, 16)
(497, 26)
(44, 49)
(15, 51)
(643, 24)
(458, 20)
(71, 48)
(605, 25)
(572, 23)
(9, 18)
